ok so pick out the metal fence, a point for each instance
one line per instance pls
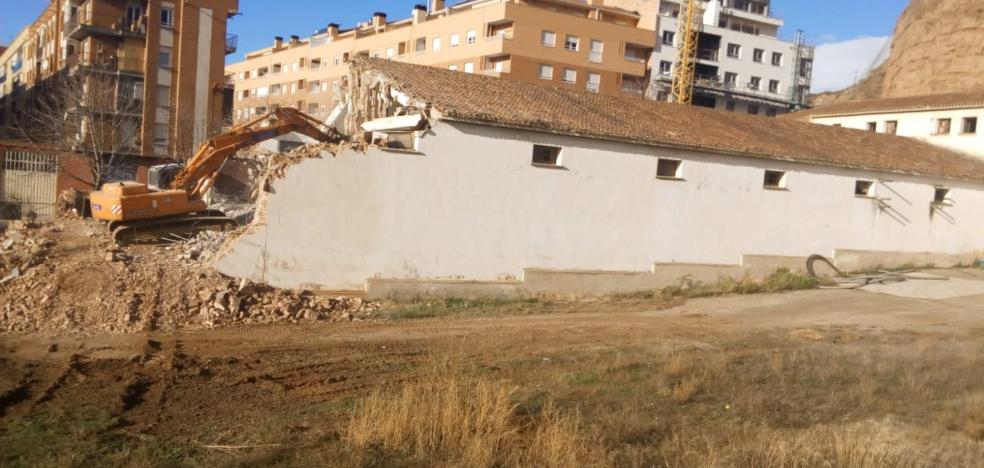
(28, 183)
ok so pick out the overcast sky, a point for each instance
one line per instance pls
(849, 33)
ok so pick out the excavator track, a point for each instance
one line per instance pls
(156, 230)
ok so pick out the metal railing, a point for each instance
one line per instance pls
(708, 54)
(112, 64)
(86, 22)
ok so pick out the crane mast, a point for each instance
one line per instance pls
(684, 75)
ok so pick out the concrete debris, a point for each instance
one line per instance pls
(58, 278)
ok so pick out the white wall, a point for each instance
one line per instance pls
(471, 206)
(922, 125)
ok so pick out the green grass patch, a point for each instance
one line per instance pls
(781, 280)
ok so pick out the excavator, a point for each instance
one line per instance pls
(173, 201)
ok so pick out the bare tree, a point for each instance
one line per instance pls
(96, 113)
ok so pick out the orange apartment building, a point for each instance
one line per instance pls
(583, 45)
(165, 59)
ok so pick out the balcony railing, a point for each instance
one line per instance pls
(86, 23)
(112, 64)
(231, 44)
(710, 55)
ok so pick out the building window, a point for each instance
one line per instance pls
(872, 126)
(734, 51)
(420, 45)
(164, 57)
(668, 37)
(545, 72)
(596, 51)
(548, 38)
(312, 108)
(665, 68)
(940, 196)
(167, 17)
(453, 67)
(471, 36)
(570, 75)
(335, 86)
(594, 82)
(777, 59)
(436, 44)
(315, 86)
(943, 126)
(546, 155)
(390, 53)
(730, 105)
(892, 127)
(758, 55)
(775, 180)
(668, 168)
(755, 83)
(774, 86)
(730, 79)
(572, 43)
(753, 109)
(455, 40)
(770, 112)
(969, 126)
(864, 188)
(469, 67)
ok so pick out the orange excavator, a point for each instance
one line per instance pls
(172, 204)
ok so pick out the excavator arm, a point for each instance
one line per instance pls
(201, 170)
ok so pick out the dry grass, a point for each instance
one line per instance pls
(464, 422)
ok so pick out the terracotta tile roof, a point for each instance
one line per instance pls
(491, 101)
(904, 104)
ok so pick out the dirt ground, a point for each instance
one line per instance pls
(699, 384)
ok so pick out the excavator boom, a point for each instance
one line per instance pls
(138, 212)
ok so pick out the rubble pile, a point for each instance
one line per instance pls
(70, 277)
(261, 304)
(24, 246)
(203, 246)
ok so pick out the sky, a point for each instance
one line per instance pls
(849, 34)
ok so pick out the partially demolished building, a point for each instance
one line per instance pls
(479, 186)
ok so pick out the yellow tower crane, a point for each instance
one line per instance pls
(683, 76)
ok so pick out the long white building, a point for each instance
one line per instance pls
(949, 120)
(742, 63)
(482, 186)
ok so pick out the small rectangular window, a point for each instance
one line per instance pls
(775, 180)
(864, 188)
(545, 72)
(570, 75)
(668, 37)
(167, 17)
(774, 86)
(572, 43)
(471, 36)
(969, 126)
(665, 68)
(436, 44)
(777, 59)
(872, 126)
(420, 45)
(668, 168)
(943, 126)
(164, 57)
(891, 127)
(753, 109)
(734, 50)
(758, 55)
(594, 82)
(940, 196)
(455, 40)
(469, 67)
(546, 155)
(730, 105)
(548, 38)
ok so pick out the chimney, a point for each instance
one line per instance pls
(379, 19)
(333, 30)
(419, 14)
(278, 42)
(294, 40)
(436, 5)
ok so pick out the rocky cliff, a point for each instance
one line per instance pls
(938, 47)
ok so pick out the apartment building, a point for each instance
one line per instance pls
(163, 58)
(583, 45)
(742, 63)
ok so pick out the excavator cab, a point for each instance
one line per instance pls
(161, 177)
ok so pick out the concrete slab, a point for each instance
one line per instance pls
(930, 289)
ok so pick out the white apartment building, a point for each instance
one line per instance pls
(948, 120)
(742, 64)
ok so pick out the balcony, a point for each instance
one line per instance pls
(85, 24)
(711, 55)
(231, 44)
(637, 54)
(111, 64)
